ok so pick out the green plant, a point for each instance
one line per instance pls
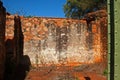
(105, 72)
(78, 8)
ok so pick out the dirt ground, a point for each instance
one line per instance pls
(82, 72)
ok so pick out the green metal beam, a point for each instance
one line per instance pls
(109, 52)
(117, 39)
(113, 39)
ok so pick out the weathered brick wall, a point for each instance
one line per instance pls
(55, 40)
(14, 49)
(99, 31)
(2, 39)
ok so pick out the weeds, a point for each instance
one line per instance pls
(105, 72)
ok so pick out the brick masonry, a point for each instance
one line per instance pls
(61, 40)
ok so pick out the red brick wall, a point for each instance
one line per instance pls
(62, 37)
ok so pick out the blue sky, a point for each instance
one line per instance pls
(45, 8)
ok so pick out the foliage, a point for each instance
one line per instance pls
(28, 16)
(77, 8)
(105, 72)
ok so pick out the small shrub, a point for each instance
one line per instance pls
(105, 72)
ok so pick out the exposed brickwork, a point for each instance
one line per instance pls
(2, 39)
(99, 31)
(43, 41)
(14, 48)
(55, 40)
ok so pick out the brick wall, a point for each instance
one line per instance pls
(2, 39)
(99, 31)
(56, 40)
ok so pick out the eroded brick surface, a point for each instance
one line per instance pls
(56, 40)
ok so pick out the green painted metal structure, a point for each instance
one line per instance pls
(113, 39)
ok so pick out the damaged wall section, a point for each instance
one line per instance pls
(59, 40)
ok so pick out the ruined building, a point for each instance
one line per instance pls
(42, 41)
(60, 40)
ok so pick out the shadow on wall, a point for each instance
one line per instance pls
(17, 64)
